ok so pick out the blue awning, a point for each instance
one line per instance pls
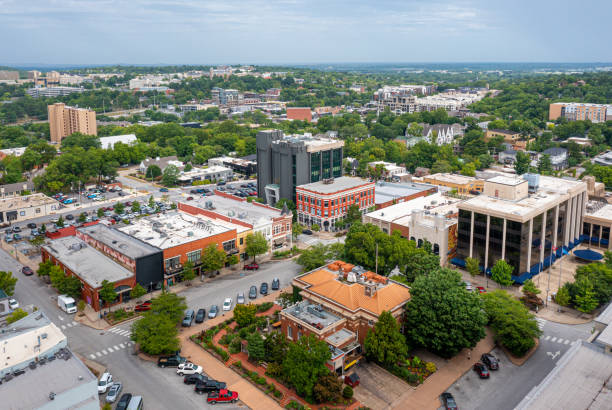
(588, 255)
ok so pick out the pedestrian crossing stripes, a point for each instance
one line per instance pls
(67, 325)
(108, 350)
(119, 331)
(559, 340)
(541, 322)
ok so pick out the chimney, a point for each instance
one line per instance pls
(369, 288)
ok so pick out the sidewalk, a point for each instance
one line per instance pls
(427, 395)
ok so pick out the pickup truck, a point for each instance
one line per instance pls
(222, 396)
(170, 361)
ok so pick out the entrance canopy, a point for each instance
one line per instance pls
(588, 255)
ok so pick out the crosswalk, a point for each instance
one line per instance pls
(558, 340)
(120, 331)
(68, 325)
(109, 350)
(541, 322)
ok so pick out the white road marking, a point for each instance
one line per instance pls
(547, 337)
(104, 351)
(63, 327)
(553, 339)
(74, 323)
(566, 342)
(560, 341)
(116, 347)
(110, 349)
(98, 354)
(92, 356)
(60, 318)
(121, 345)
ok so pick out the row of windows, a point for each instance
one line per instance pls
(337, 201)
(340, 211)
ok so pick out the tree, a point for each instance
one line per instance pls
(514, 327)
(16, 315)
(529, 288)
(188, 167)
(313, 257)
(170, 305)
(327, 389)
(544, 165)
(151, 202)
(255, 347)
(232, 259)
(7, 282)
(153, 171)
(563, 297)
(188, 272)
(419, 261)
(305, 363)
(135, 206)
(43, 228)
(212, 258)
(119, 208)
(472, 265)
(501, 273)
(256, 244)
(156, 334)
(60, 221)
(521, 166)
(100, 212)
(585, 299)
(316, 227)
(107, 293)
(82, 217)
(245, 315)
(137, 292)
(71, 286)
(468, 169)
(170, 175)
(384, 343)
(352, 215)
(442, 316)
(296, 230)
(276, 345)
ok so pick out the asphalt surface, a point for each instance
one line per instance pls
(507, 386)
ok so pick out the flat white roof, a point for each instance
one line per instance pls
(172, 229)
(338, 184)
(244, 211)
(507, 180)
(451, 178)
(605, 212)
(388, 191)
(435, 203)
(109, 142)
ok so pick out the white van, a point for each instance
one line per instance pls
(135, 403)
(105, 382)
(66, 303)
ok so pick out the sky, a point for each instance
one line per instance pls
(93, 32)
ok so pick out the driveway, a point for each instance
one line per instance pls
(378, 388)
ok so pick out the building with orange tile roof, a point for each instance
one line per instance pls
(340, 303)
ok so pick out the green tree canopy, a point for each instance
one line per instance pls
(305, 363)
(170, 175)
(256, 244)
(137, 292)
(153, 171)
(255, 347)
(501, 273)
(7, 282)
(212, 258)
(170, 305)
(107, 292)
(384, 343)
(156, 334)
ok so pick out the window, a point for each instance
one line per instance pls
(326, 204)
(289, 332)
(299, 335)
(194, 256)
(172, 263)
(287, 227)
(229, 245)
(37, 210)
(22, 213)
(241, 241)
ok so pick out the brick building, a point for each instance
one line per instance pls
(340, 304)
(391, 193)
(299, 113)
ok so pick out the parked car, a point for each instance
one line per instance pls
(194, 378)
(227, 304)
(352, 379)
(240, 300)
(17, 237)
(170, 361)
(69, 217)
(188, 368)
(8, 238)
(490, 360)
(190, 198)
(26, 270)
(200, 316)
(163, 190)
(188, 319)
(481, 289)
(252, 266)
(275, 284)
(31, 225)
(263, 289)
(143, 307)
(68, 201)
(222, 396)
(113, 392)
(253, 292)
(13, 304)
(208, 386)
(468, 286)
(449, 401)
(123, 401)
(307, 232)
(212, 312)
(105, 382)
(481, 370)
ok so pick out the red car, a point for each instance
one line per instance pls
(190, 198)
(252, 266)
(143, 306)
(26, 270)
(352, 380)
(481, 289)
(481, 370)
(221, 396)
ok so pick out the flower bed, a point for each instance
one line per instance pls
(120, 315)
(414, 371)
(259, 381)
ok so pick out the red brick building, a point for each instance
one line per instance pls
(299, 113)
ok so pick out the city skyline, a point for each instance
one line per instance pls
(295, 31)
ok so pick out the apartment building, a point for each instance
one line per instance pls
(464, 185)
(287, 161)
(38, 92)
(229, 98)
(325, 202)
(510, 137)
(525, 221)
(580, 111)
(64, 121)
(6, 75)
(340, 303)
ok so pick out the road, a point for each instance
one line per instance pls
(507, 386)
(162, 388)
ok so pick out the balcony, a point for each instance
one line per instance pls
(171, 270)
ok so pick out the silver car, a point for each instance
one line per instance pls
(240, 299)
(114, 392)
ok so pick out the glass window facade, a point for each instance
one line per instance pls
(496, 239)
(315, 166)
(326, 165)
(337, 162)
(480, 237)
(463, 234)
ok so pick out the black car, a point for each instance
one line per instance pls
(449, 401)
(253, 292)
(170, 361)
(200, 316)
(490, 360)
(69, 217)
(275, 284)
(194, 191)
(123, 402)
(208, 385)
(31, 225)
(307, 232)
(263, 289)
(194, 379)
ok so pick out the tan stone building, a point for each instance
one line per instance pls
(64, 121)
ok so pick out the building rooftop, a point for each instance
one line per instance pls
(605, 317)
(109, 142)
(28, 201)
(325, 282)
(605, 336)
(89, 264)
(13, 151)
(452, 178)
(340, 337)
(388, 191)
(393, 212)
(580, 380)
(507, 180)
(336, 185)
(16, 187)
(312, 143)
(312, 314)
(255, 215)
(172, 229)
(118, 241)
(599, 210)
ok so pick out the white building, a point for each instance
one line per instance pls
(212, 173)
(390, 169)
(109, 142)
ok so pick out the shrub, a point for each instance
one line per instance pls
(347, 392)
(238, 364)
(430, 367)
(226, 339)
(234, 346)
(274, 370)
(277, 394)
(264, 306)
(412, 378)
(261, 380)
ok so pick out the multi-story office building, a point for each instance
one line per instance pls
(398, 103)
(580, 111)
(597, 224)
(37, 92)
(228, 97)
(64, 121)
(6, 75)
(284, 162)
(325, 202)
(525, 221)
